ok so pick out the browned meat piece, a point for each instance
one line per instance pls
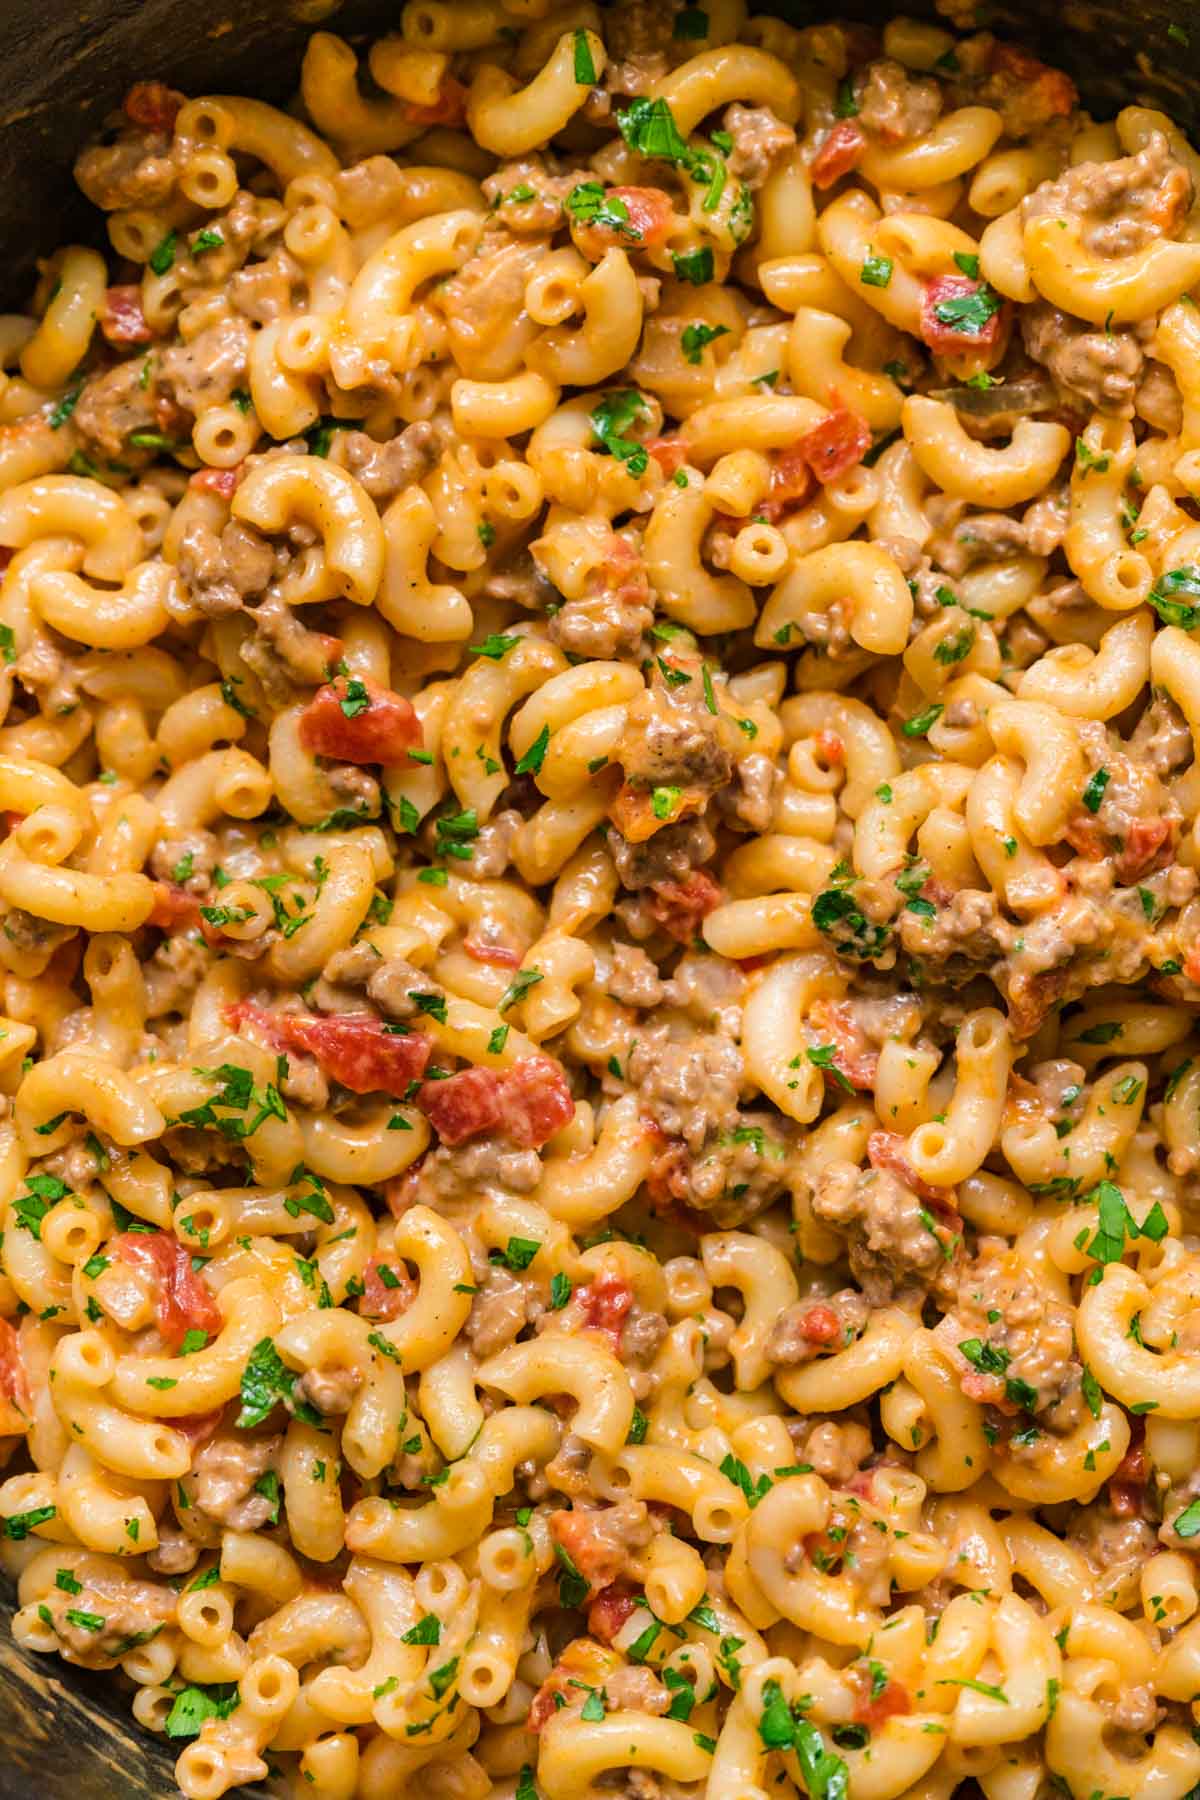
(599, 625)
(688, 1081)
(130, 1613)
(329, 1390)
(670, 855)
(1125, 204)
(188, 860)
(641, 46)
(1002, 1302)
(1161, 737)
(206, 371)
(816, 1325)
(749, 800)
(671, 738)
(498, 1312)
(176, 1553)
(892, 1242)
(1116, 1549)
(222, 1478)
(544, 211)
(759, 141)
(714, 1158)
(384, 470)
(633, 979)
(482, 301)
(968, 925)
(894, 104)
(1099, 368)
(174, 973)
(491, 850)
(266, 290)
(283, 653)
(115, 404)
(222, 569)
(137, 170)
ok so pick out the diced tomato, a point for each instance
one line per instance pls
(837, 444)
(948, 340)
(153, 105)
(622, 574)
(1039, 93)
(596, 1552)
(530, 1102)
(123, 322)
(448, 109)
(831, 748)
(14, 1385)
(610, 1609)
(386, 1298)
(171, 418)
(543, 1706)
(649, 219)
(1085, 836)
(355, 720)
(667, 1176)
(875, 1709)
(351, 1048)
(791, 482)
(679, 906)
(537, 1101)
(605, 1302)
(1030, 998)
(820, 1325)
(1143, 842)
(463, 1105)
(1127, 1487)
(500, 956)
(183, 1302)
(885, 1150)
(841, 152)
(985, 1390)
(670, 453)
(223, 482)
(199, 1429)
(173, 906)
(853, 1058)
(632, 810)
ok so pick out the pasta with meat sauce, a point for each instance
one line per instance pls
(600, 766)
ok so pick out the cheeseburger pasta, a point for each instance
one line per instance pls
(599, 920)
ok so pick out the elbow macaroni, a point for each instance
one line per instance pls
(599, 896)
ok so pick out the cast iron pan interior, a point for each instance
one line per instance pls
(66, 1734)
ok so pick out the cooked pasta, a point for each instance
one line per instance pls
(599, 901)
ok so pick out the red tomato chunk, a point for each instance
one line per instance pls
(388, 1290)
(836, 445)
(353, 719)
(679, 906)
(948, 339)
(182, 1302)
(530, 1102)
(123, 322)
(351, 1048)
(13, 1383)
(610, 1610)
(605, 1303)
(839, 153)
(153, 105)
